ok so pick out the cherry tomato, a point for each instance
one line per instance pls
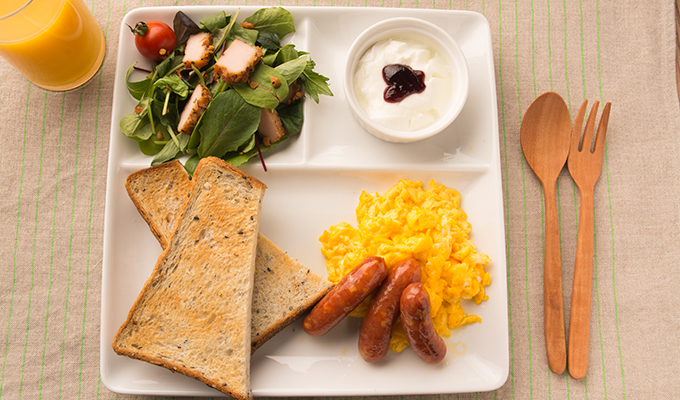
(154, 40)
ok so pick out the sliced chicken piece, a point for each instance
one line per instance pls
(271, 128)
(238, 61)
(198, 50)
(294, 93)
(194, 109)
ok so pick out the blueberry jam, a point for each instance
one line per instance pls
(402, 81)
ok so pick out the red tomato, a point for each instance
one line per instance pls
(154, 40)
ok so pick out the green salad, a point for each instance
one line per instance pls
(228, 90)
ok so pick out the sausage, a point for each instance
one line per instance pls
(376, 329)
(417, 322)
(352, 289)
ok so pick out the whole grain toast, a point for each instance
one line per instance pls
(193, 314)
(158, 193)
(284, 288)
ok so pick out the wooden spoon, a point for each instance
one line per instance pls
(545, 139)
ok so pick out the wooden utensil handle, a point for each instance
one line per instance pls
(552, 287)
(579, 318)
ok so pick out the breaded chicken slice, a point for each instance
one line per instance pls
(198, 50)
(193, 109)
(238, 61)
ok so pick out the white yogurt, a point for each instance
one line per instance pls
(418, 110)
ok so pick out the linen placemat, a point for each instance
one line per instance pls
(53, 169)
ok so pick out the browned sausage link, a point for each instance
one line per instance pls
(376, 329)
(352, 289)
(418, 325)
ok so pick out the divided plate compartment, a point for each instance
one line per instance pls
(314, 181)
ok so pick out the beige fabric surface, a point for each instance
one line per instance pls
(54, 149)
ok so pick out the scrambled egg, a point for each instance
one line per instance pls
(428, 225)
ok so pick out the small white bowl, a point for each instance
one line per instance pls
(422, 31)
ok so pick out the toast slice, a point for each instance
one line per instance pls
(158, 193)
(284, 289)
(193, 314)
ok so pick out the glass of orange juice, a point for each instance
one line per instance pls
(56, 44)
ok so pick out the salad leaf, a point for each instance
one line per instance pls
(273, 19)
(227, 123)
(292, 117)
(291, 70)
(150, 146)
(173, 83)
(170, 151)
(282, 55)
(269, 41)
(184, 27)
(169, 65)
(139, 88)
(251, 144)
(216, 21)
(131, 124)
(315, 83)
(239, 158)
(265, 95)
(220, 35)
(191, 164)
(287, 53)
(247, 35)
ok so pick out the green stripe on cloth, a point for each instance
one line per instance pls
(16, 241)
(611, 218)
(70, 246)
(52, 245)
(506, 185)
(33, 253)
(526, 242)
(91, 213)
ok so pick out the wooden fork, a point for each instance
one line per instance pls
(585, 164)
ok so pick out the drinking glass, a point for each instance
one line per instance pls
(56, 44)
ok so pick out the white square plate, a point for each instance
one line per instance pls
(314, 181)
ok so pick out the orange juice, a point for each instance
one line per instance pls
(56, 44)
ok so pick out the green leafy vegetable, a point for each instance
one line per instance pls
(191, 164)
(171, 150)
(184, 27)
(292, 117)
(173, 83)
(220, 35)
(291, 70)
(132, 123)
(227, 123)
(315, 83)
(265, 95)
(169, 65)
(228, 126)
(273, 19)
(139, 88)
(269, 41)
(214, 22)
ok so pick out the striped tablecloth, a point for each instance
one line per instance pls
(54, 149)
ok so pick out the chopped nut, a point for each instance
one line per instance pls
(247, 25)
(138, 110)
(159, 135)
(253, 85)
